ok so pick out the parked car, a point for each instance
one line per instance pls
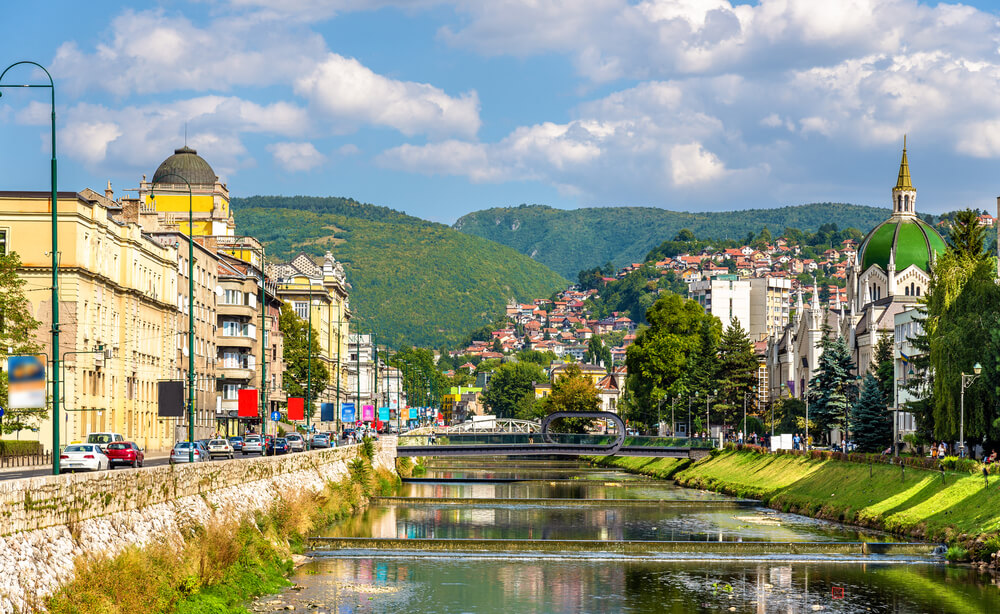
(295, 442)
(220, 447)
(181, 452)
(103, 439)
(125, 453)
(237, 443)
(253, 444)
(321, 440)
(278, 445)
(83, 456)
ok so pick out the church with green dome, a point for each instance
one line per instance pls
(891, 271)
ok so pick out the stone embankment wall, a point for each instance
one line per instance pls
(47, 522)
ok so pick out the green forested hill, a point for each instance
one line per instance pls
(422, 283)
(569, 241)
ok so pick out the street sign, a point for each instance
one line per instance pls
(276, 416)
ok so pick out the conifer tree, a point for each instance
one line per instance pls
(830, 386)
(871, 425)
(737, 369)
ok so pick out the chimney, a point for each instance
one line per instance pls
(108, 192)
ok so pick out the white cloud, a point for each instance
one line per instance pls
(691, 164)
(89, 141)
(296, 156)
(349, 93)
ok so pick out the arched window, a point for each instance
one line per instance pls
(906, 291)
(918, 290)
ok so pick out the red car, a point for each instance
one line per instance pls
(124, 453)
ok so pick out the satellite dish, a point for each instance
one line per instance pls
(218, 291)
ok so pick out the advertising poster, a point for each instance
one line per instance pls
(326, 412)
(26, 378)
(246, 403)
(394, 403)
(414, 413)
(347, 412)
(296, 408)
(368, 413)
(383, 414)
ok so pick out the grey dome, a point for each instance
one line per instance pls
(188, 164)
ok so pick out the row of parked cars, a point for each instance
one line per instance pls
(263, 445)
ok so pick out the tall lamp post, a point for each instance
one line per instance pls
(967, 380)
(152, 197)
(53, 178)
(708, 419)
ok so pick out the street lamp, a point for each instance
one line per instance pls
(967, 380)
(53, 177)
(152, 197)
(708, 419)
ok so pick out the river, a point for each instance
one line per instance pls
(506, 537)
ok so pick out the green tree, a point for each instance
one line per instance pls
(542, 359)
(598, 353)
(737, 370)
(664, 356)
(295, 335)
(884, 365)
(572, 392)
(967, 235)
(508, 386)
(684, 235)
(17, 338)
(830, 387)
(871, 427)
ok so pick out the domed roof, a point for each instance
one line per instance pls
(908, 240)
(188, 164)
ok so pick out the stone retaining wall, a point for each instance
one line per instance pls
(47, 522)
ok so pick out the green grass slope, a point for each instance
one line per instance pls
(422, 283)
(569, 241)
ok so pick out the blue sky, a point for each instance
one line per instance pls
(441, 107)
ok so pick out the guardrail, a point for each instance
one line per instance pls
(25, 460)
(536, 439)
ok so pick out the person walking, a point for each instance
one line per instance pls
(943, 450)
(934, 450)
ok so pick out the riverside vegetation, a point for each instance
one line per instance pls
(218, 567)
(953, 507)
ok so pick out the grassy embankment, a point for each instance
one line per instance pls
(954, 507)
(219, 567)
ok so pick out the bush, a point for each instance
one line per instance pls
(368, 448)
(956, 554)
(20, 448)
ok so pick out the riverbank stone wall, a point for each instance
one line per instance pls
(47, 522)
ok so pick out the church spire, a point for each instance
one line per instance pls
(904, 195)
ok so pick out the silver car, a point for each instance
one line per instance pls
(181, 452)
(295, 442)
(253, 444)
(220, 447)
(321, 440)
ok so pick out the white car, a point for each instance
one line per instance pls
(295, 442)
(220, 447)
(86, 456)
(103, 439)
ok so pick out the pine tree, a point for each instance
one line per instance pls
(883, 365)
(830, 386)
(871, 425)
(737, 369)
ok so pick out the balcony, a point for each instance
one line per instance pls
(224, 341)
(234, 373)
(236, 310)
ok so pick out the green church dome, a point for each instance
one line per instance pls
(909, 240)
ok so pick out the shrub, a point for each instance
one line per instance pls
(368, 448)
(956, 554)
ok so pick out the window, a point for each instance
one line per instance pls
(232, 297)
(302, 309)
(3, 242)
(230, 392)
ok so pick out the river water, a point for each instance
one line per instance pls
(469, 500)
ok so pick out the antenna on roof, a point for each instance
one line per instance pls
(185, 134)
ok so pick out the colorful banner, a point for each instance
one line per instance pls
(383, 414)
(26, 377)
(414, 413)
(296, 408)
(368, 413)
(347, 412)
(394, 403)
(246, 404)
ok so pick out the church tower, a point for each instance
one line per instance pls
(904, 195)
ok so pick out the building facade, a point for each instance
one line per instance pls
(725, 297)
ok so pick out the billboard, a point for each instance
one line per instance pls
(383, 414)
(170, 399)
(247, 403)
(368, 413)
(296, 408)
(414, 413)
(327, 412)
(347, 412)
(26, 379)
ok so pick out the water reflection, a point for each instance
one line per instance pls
(552, 586)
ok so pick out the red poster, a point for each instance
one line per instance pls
(247, 403)
(296, 408)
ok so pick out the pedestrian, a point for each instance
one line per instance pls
(934, 450)
(795, 441)
(943, 450)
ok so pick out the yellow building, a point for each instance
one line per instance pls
(303, 282)
(119, 315)
(209, 197)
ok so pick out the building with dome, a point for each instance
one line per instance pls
(889, 274)
(167, 195)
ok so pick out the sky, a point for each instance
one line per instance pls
(442, 107)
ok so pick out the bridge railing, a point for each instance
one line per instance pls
(529, 439)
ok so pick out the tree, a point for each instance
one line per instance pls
(967, 234)
(572, 392)
(295, 334)
(870, 424)
(737, 369)
(509, 384)
(684, 235)
(17, 338)
(830, 386)
(666, 356)
(598, 353)
(497, 346)
(884, 366)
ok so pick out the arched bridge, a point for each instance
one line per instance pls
(535, 439)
